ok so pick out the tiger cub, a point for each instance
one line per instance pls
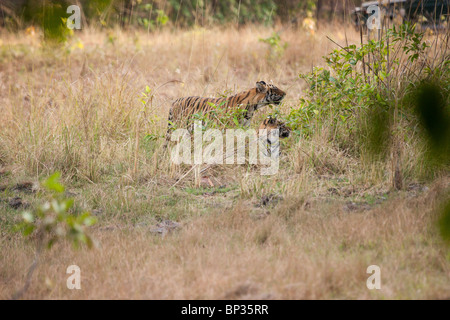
(248, 102)
(271, 124)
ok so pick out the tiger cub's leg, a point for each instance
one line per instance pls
(168, 135)
(169, 129)
(246, 119)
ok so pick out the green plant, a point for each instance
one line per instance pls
(53, 221)
(162, 18)
(444, 221)
(276, 46)
(360, 92)
(219, 117)
(53, 19)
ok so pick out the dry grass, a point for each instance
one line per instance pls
(81, 111)
(78, 111)
(317, 251)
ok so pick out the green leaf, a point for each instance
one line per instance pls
(52, 183)
(444, 222)
(27, 230)
(90, 221)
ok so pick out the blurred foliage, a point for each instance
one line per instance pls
(191, 12)
(276, 47)
(430, 102)
(152, 14)
(53, 219)
(444, 221)
(51, 16)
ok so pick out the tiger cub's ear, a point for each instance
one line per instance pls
(271, 120)
(261, 86)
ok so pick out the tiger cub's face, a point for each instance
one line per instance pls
(272, 124)
(269, 93)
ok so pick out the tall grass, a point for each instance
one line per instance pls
(96, 109)
(78, 109)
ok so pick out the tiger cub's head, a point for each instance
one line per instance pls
(268, 93)
(272, 124)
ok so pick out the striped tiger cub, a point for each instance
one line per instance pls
(273, 144)
(248, 102)
(272, 124)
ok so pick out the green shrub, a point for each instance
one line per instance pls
(365, 88)
(53, 220)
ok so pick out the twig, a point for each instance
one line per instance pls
(18, 295)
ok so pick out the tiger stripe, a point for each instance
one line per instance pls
(248, 101)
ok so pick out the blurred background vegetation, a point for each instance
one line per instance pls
(151, 14)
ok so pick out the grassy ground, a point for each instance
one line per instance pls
(309, 231)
